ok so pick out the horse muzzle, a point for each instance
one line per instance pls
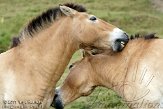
(57, 101)
(120, 43)
(119, 40)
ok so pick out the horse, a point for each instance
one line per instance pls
(39, 54)
(136, 74)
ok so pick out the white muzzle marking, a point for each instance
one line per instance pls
(116, 34)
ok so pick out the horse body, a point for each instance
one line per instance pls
(135, 74)
(30, 70)
(143, 83)
(30, 73)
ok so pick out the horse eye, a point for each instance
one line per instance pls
(93, 18)
(70, 66)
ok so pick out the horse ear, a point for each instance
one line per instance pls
(67, 11)
(86, 53)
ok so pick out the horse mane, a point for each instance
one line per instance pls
(42, 21)
(146, 37)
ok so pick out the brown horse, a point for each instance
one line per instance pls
(136, 74)
(29, 71)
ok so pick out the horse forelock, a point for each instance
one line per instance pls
(42, 21)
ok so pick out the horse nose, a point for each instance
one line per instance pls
(57, 102)
(126, 37)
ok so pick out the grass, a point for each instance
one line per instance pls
(133, 16)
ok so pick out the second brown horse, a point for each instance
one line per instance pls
(136, 74)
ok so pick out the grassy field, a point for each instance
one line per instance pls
(133, 16)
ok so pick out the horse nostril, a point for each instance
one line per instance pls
(126, 39)
(126, 35)
(57, 102)
(55, 96)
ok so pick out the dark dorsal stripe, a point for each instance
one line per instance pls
(44, 19)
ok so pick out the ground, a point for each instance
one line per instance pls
(158, 4)
(132, 16)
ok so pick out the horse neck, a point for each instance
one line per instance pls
(46, 55)
(112, 70)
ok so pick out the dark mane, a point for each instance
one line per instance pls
(45, 19)
(15, 42)
(49, 16)
(146, 37)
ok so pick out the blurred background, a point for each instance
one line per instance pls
(132, 16)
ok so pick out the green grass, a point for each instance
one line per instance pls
(133, 16)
